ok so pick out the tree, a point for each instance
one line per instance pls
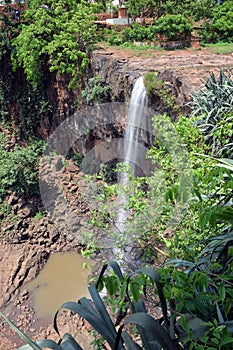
(222, 22)
(195, 9)
(141, 8)
(58, 35)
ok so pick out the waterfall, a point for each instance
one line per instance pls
(131, 148)
(138, 102)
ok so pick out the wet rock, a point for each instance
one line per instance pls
(24, 293)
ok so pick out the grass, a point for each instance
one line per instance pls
(134, 49)
(148, 50)
(220, 48)
(39, 215)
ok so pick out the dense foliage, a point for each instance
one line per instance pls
(220, 27)
(175, 19)
(154, 8)
(172, 26)
(214, 103)
(96, 91)
(59, 34)
(18, 168)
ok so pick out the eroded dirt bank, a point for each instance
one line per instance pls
(27, 242)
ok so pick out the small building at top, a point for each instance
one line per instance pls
(122, 19)
(122, 12)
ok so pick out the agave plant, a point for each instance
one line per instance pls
(153, 335)
(213, 100)
(187, 313)
(213, 104)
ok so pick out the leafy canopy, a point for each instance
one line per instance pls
(154, 8)
(55, 34)
(222, 22)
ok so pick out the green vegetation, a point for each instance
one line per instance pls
(196, 305)
(221, 26)
(152, 83)
(156, 87)
(213, 104)
(174, 20)
(59, 34)
(96, 91)
(173, 26)
(220, 47)
(39, 215)
(18, 168)
(153, 8)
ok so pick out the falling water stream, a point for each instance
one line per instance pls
(138, 102)
(131, 151)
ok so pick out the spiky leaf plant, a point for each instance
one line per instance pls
(213, 104)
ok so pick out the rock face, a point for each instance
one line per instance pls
(183, 71)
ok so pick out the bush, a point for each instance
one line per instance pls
(96, 91)
(18, 168)
(152, 83)
(173, 26)
(221, 26)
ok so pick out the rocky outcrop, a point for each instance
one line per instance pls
(182, 71)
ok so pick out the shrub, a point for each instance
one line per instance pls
(18, 169)
(221, 26)
(152, 83)
(96, 91)
(173, 26)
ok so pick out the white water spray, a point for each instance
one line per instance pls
(131, 148)
(138, 102)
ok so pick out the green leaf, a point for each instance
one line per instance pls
(102, 310)
(222, 292)
(134, 289)
(112, 285)
(154, 275)
(130, 344)
(90, 316)
(69, 343)
(27, 340)
(153, 331)
(116, 268)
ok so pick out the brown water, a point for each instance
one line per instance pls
(62, 279)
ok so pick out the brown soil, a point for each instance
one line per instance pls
(134, 54)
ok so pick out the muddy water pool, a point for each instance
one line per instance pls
(62, 279)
